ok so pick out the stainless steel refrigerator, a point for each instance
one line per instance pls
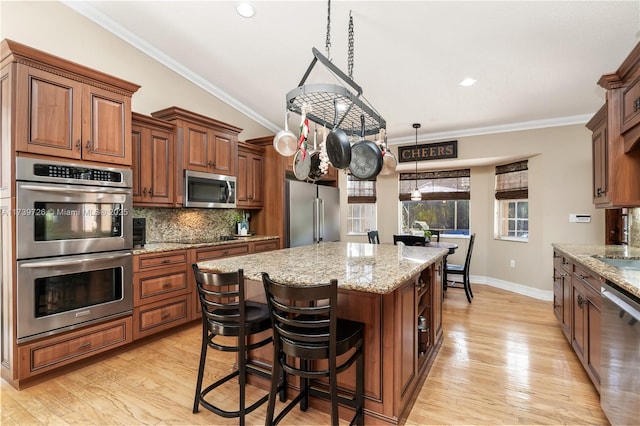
(313, 213)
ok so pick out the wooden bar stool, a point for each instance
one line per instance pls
(306, 328)
(226, 313)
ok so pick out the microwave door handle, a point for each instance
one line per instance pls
(67, 189)
(64, 262)
(227, 191)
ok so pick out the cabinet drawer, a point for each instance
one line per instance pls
(587, 277)
(154, 285)
(218, 252)
(57, 351)
(260, 246)
(155, 260)
(158, 316)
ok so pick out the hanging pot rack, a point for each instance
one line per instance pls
(320, 99)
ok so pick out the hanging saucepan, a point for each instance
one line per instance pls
(301, 164)
(366, 158)
(389, 161)
(285, 142)
(315, 172)
(338, 146)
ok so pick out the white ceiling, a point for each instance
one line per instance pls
(536, 62)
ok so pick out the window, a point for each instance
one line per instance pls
(361, 211)
(445, 201)
(512, 204)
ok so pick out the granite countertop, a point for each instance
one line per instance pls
(626, 279)
(187, 244)
(372, 268)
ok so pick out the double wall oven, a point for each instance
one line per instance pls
(73, 244)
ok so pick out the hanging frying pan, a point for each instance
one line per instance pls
(338, 146)
(285, 142)
(366, 158)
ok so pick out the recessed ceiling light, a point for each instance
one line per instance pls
(246, 10)
(468, 82)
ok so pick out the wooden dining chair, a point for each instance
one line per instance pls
(410, 240)
(374, 238)
(453, 269)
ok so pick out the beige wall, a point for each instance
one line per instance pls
(559, 184)
(57, 29)
(560, 162)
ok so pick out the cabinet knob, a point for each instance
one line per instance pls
(581, 301)
(79, 145)
(150, 192)
(636, 105)
(166, 285)
(88, 147)
(599, 192)
(210, 163)
(144, 192)
(84, 345)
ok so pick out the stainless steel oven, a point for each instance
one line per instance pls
(620, 379)
(64, 208)
(61, 293)
(74, 245)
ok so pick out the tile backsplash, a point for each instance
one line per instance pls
(634, 227)
(176, 225)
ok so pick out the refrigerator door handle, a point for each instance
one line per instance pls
(321, 221)
(316, 220)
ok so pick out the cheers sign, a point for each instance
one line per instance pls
(430, 151)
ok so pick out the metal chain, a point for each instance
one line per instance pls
(327, 44)
(350, 56)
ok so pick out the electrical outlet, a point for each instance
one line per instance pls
(512, 263)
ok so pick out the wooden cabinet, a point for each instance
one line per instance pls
(161, 293)
(428, 311)
(202, 144)
(153, 161)
(261, 246)
(586, 333)
(577, 305)
(54, 352)
(66, 110)
(562, 269)
(616, 133)
(249, 185)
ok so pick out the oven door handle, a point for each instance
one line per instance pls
(67, 189)
(622, 304)
(64, 262)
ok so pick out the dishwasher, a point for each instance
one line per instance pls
(620, 379)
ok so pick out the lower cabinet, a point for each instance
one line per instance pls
(54, 352)
(161, 293)
(577, 305)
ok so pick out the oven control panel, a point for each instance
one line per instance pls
(74, 172)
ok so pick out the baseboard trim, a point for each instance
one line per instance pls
(509, 286)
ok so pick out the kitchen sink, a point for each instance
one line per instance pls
(622, 263)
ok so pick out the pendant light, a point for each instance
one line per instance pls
(415, 194)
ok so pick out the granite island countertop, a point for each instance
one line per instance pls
(194, 243)
(628, 280)
(372, 268)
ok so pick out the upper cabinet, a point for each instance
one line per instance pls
(153, 154)
(249, 185)
(66, 110)
(206, 145)
(616, 133)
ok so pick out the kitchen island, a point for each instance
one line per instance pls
(386, 287)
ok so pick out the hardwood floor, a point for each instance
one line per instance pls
(504, 361)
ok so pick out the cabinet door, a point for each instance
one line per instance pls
(48, 113)
(578, 331)
(138, 157)
(256, 174)
(243, 182)
(436, 303)
(223, 153)
(106, 126)
(196, 144)
(593, 336)
(600, 165)
(161, 182)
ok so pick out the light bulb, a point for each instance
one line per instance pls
(416, 195)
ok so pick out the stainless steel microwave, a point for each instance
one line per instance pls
(208, 190)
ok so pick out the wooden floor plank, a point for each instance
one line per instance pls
(504, 360)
